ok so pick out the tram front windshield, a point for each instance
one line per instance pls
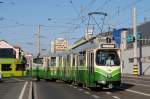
(107, 58)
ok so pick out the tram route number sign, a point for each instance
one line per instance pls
(108, 46)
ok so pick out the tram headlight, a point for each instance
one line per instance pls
(102, 82)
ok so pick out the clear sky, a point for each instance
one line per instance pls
(19, 19)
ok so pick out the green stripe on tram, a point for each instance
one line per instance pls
(115, 72)
(102, 72)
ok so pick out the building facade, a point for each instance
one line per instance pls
(143, 51)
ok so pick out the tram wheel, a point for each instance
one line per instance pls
(80, 84)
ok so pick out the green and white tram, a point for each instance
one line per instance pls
(37, 68)
(89, 63)
(95, 66)
(104, 67)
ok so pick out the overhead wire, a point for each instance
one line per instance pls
(126, 7)
(103, 5)
(83, 18)
(78, 13)
(23, 25)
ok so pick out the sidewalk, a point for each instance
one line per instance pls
(139, 77)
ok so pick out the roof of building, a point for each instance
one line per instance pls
(13, 46)
(143, 28)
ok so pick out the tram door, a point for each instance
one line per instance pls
(90, 66)
(46, 67)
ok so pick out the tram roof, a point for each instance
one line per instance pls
(83, 41)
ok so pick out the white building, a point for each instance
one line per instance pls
(143, 51)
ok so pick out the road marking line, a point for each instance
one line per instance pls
(35, 91)
(116, 97)
(95, 96)
(23, 90)
(86, 92)
(108, 93)
(30, 91)
(141, 93)
(138, 84)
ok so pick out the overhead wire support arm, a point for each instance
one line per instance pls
(97, 24)
(99, 13)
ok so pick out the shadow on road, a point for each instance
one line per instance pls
(16, 79)
(123, 87)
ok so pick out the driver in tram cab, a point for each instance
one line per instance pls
(109, 61)
(0, 75)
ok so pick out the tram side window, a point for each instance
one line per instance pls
(20, 67)
(82, 58)
(64, 63)
(53, 61)
(6, 67)
(68, 60)
(38, 60)
(73, 64)
(60, 61)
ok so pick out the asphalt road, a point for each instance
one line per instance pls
(15, 88)
(132, 88)
(21, 88)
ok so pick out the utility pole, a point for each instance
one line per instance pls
(39, 41)
(135, 65)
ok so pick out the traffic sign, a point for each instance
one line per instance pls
(131, 38)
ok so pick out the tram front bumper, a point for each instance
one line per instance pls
(109, 84)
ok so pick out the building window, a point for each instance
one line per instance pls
(145, 40)
(6, 67)
(20, 67)
(131, 60)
